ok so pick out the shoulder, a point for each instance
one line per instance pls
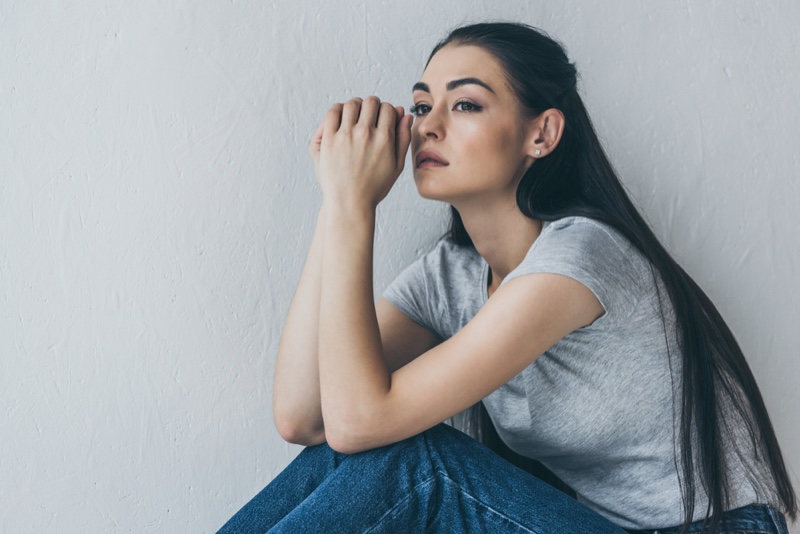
(445, 262)
(583, 230)
(586, 241)
(437, 288)
(593, 253)
(447, 249)
(456, 276)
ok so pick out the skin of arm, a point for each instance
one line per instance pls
(296, 403)
(364, 403)
(365, 406)
(295, 393)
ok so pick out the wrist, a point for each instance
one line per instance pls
(350, 211)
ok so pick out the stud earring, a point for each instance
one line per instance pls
(538, 152)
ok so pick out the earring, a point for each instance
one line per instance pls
(538, 152)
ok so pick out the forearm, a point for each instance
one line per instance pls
(296, 390)
(354, 378)
(361, 151)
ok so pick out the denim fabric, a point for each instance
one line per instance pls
(438, 481)
(752, 519)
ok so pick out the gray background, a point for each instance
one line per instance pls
(157, 199)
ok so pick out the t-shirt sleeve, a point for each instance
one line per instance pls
(593, 254)
(412, 291)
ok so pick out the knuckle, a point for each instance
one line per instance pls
(387, 109)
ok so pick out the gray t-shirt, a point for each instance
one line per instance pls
(597, 407)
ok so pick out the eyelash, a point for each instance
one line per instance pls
(475, 107)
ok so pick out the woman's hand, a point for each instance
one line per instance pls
(359, 150)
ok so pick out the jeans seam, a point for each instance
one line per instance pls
(399, 503)
(490, 508)
(775, 520)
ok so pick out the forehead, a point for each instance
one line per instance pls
(462, 61)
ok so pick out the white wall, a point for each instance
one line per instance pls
(156, 201)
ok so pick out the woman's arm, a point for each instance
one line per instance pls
(295, 393)
(402, 339)
(296, 389)
(364, 404)
(297, 406)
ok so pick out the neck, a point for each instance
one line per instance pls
(500, 233)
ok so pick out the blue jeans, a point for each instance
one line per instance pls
(438, 481)
(751, 519)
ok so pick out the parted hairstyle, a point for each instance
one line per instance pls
(577, 179)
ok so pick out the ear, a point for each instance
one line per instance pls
(544, 133)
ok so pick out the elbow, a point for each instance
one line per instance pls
(352, 436)
(358, 424)
(298, 432)
(342, 442)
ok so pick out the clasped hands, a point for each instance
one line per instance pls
(359, 151)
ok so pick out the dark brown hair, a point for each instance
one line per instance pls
(577, 179)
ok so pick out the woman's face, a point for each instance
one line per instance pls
(479, 131)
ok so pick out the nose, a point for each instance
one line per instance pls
(431, 125)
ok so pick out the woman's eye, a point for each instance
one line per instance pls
(416, 109)
(466, 107)
(469, 105)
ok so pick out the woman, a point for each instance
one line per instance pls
(550, 307)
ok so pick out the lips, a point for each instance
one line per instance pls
(430, 156)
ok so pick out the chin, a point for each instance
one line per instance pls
(427, 188)
(444, 190)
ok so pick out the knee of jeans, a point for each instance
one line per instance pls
(322, 450)
(423, 439)
(443, 431)
(442, 436)
(440, 431)
(411, 445)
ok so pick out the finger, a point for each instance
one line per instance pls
(350, 113)
(369, 111)
(387, 117)
(332, 120)
(316, 138)
(403, 140)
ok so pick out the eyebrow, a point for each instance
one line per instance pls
(419, 86)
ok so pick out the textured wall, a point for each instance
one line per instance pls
(156, 201)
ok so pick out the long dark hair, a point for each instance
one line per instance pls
(577, 179)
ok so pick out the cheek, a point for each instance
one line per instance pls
(491, 151)
(417, 141)
(415, 137)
